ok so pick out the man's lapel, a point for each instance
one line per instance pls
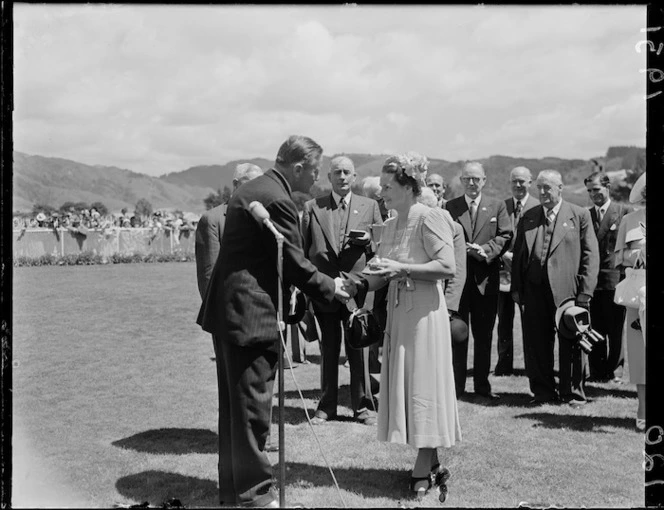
(564, 223)
(323, 212)
(610, 217)
(356, 209)
(483, 215)
(464, 217)
(532, 224)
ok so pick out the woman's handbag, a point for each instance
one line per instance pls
(631, 290)
(362, 329)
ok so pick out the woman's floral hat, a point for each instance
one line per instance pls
(415, 165)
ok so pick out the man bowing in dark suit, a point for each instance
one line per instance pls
(606, 317)
(335, 228)
(521, 201)
(210, 228)
(487, 232)
(555, 258)
(240, 310)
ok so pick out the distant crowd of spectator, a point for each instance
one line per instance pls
(81, 221)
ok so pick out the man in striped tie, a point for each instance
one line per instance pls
(520, 202)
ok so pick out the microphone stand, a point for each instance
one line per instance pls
(282, 329)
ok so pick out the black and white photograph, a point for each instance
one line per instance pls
(310, 256)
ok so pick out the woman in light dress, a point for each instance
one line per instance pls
(417, 396)
(630, 252)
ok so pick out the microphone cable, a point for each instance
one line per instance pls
(306, 413)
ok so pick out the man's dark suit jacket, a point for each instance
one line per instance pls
(321, 242)
(509, 203)
(454, 286)
(209, 230)
(240, 304)
(573, 260)
(492, 232)
(609, 276)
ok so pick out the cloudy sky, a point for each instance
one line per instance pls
(158, 89)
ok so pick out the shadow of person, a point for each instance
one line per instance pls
(506, 399)
(594, 390)
(579, 423)
(156, 487)
(370, 483)
(174, 441)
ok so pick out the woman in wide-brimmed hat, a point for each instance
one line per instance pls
(631, 252)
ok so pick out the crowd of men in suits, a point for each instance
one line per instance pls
(529, 252)
(546, 274)
(516, 258)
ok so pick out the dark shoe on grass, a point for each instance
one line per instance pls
(488, 395)
(321, 417)
(366, 418)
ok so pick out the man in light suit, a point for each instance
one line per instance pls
(210, 228)
(240, 310)
(487, 231)
(336, 231)
(606, 317)
(521, 201)
(555, 258)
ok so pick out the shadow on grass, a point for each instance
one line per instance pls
(593, 390)
(156, 487)
(171, 441)
(308, 394)
(370, 483)
(578, 423)
(506, 400)
(296, 416)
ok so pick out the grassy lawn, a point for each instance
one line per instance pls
(115, 402)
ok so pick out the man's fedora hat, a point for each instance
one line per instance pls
(458, 329)
(571, 319)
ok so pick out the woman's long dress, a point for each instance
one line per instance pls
(417, 402)
(629, 235)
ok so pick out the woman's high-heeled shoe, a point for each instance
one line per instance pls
(420, 486)
(439, 477)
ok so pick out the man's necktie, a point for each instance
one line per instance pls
(473, 213)
(550, 216)
(600, 215)
(517, 210)
(342, 222)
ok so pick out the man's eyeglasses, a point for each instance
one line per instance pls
(473, 179)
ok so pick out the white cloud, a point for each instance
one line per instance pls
(162, 88)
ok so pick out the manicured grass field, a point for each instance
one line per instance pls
(115, 402)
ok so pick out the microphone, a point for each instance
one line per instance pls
(261, 215)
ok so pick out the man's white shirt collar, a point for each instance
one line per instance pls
(555, 209)
(469, 200)
(338, 197)
(604, 207)
(523, 201)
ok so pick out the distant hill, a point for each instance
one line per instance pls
(211, 176)
(53, 181)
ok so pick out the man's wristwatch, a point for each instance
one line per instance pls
(407, 267)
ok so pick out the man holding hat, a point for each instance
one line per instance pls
(556, 257)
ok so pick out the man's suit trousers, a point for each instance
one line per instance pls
(245, 377)
(482, 310)
(505, 346)
(331, 332)
(539, 340)
(607, 318)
